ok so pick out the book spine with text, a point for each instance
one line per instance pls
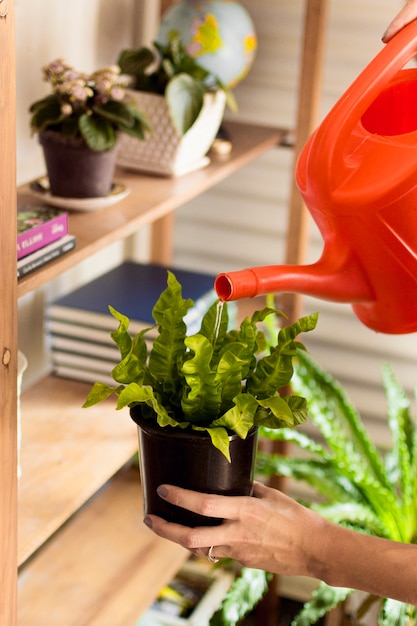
(45, 255)
(42, 234)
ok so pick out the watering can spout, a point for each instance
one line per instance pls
(340, 285)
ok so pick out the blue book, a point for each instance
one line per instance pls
(133, 289)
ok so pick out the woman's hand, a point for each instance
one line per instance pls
(269, 531)
(407, 14)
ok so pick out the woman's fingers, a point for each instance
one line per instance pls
(198, 540)
(202, 503)
(262, 491)
(407, 14)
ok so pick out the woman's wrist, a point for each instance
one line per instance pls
(319, 549)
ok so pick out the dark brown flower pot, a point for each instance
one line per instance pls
(75, 171)
(188, 459)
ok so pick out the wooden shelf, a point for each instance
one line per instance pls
(67, 454)
(151, 199)
(103, 569)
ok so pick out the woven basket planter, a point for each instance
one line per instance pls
(165, 152)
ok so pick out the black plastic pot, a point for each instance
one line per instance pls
(188, 459)
(74, 170)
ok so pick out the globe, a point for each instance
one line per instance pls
(219, 34)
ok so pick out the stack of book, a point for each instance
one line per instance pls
(79, 324)
(42, 236)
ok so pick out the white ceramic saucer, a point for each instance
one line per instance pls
(40, 189)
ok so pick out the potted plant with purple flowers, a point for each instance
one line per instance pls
(79, 124)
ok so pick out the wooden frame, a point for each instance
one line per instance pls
(8, 326)
(309, 96)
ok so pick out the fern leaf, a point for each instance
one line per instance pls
(401, 455)
(247, 336)
(352, 513)
(217, 317)
(202, 398)
(245, 593)
(384, 503)
(289, 435)
(414, 464)
(231, 365)
(395, 613)
(168, 348)
(323, 600)
(319, 474)
(337, 419)
(275, 370)
(354, 452)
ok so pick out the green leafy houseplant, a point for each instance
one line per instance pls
(360, 487)
(218, 380)
(168, 70)
(89, 108)
(210, 381)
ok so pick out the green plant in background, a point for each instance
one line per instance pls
(211, 381)
(360, 487)
(169, 70)
(245, 593)
(90, 108)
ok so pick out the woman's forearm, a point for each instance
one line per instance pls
(377, 566)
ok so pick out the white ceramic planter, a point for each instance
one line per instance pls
(165, 152)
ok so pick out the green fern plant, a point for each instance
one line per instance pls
(211, 381)
(360, 487)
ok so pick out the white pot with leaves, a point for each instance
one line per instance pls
(184, 104)
(199, 399)
(359, 487)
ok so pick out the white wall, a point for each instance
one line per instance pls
(242, 221)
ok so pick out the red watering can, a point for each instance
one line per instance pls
(358, 177)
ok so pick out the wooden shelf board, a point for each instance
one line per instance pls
(103, 569)
(150, 199)
(67, 454)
